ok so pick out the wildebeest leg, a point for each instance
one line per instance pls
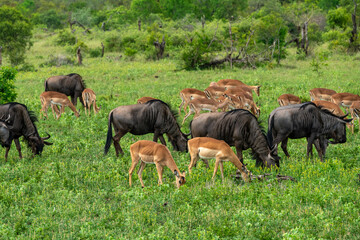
(162, 140)
(284, 146)
(7, 152)
(239, 152)
(321, 145)
(18, 147)
(310, 141)
(116, 140)
(73, 100)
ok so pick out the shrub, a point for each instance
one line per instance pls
(130, 53)
(95, 52)
(58, 61)
(65, 37)
(7, 88)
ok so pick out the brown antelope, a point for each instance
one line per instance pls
(196, 105)
(214, 91)
(206, 148)
(89, 98)
(55, 99)
(152, 152)
(288, 99)
(245, 100)
(233, 83)
(189, 94)
(321, 94)
(345, 99)
(355, 113)
(332, 107)
(143, 100)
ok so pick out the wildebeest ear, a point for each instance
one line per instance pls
(48, 143)
(176, 173)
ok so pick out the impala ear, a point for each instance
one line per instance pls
(184, 173)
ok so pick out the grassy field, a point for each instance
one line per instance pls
(73, 191)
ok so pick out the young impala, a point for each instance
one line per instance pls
(214, 91)
(145, 152)
(55, 99)
(321, 94)
(288, 99)
(355, 113)
(143, 100)
(207, 148)
(189, 94)
(245, 100)
(345, 99)
(196, 105)
(89, 98)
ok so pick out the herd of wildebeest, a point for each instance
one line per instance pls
(321, 121)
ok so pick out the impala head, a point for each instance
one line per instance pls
(180, 178)
(246, 174)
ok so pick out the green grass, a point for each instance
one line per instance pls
(73, 191)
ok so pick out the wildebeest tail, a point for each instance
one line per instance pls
(269, 133)
(109, 134)
(46, 86)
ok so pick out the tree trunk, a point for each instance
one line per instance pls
(304, 38)
(160, 48)
(203, 21)
(139, 24)
(79, 57)
(102, 49)
(354, 30)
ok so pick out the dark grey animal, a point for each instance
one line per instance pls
(71, 85)
(238, 128)
(19, 121)
(306, 120)
(154, 116)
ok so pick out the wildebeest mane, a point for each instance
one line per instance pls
(324, 110)
(82, 82)
(173, 112)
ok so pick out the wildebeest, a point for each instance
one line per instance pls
(238, 128)
(71, 85)
(154, 116)
(20, 122)
(306, 120)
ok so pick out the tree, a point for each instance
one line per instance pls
(15, 34)
(7, 88)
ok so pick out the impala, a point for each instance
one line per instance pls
(355, 113)
(207, 148)
(189, 94)
(214, 91)
(143, 100)
(245, 100)
(89, 98)
(345, 99)
(151, 152)
(233, 83)
(55, 99)
(321, 94)
(288, 99)
(196, 105)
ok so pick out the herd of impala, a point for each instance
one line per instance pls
(225, 94)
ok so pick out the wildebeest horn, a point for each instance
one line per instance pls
(7, 118)
(45, 138)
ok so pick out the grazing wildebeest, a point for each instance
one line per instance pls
(306, 120)
(71, 85)
(20, 122)
(154, 116)
(238, 128)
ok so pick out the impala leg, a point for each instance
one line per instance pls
(134, 161)
(222, 170)
(141, 169)
(194, 158)
(181, 104)
(216, 168)
(186, 116)
(18, 147)
(159, 169)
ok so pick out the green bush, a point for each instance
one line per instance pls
(130, 53)
(58, 61)
(95, 52)
(7, 87)
(65, 37)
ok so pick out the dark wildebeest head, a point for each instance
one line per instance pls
(71, 85)
(5, 134)
(20, 122)
(155, 116)
(238, 128)
(306, 120)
